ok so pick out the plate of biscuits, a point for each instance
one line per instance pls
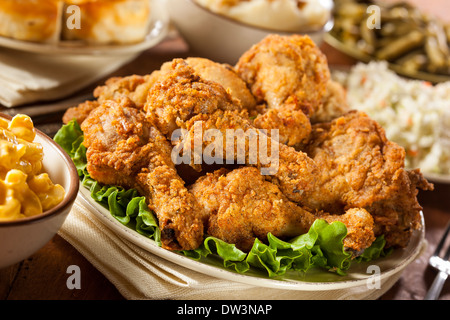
(82, 27)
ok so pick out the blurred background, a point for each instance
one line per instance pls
(391, 57)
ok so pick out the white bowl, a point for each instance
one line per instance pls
(19, 239)
(221, 39)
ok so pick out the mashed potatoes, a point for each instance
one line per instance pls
(25, 190)
(281, 15)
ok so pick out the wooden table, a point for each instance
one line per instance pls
(43, 276)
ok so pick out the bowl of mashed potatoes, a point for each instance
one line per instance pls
(38, 186)
(222, 30)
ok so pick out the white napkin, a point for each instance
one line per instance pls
(29, 77)
(139, 274)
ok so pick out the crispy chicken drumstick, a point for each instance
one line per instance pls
(124, 149)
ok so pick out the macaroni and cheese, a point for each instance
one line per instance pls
(25, 190)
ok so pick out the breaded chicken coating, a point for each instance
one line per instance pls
(133, 88)
(221, 73)
(124, 149)
(286, 72)
(334, 104)
(361, 168)
(241, 205)
(181, 94)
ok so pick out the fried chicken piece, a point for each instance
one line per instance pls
(286, 72)
(334, 104)
(293, 171)
(123, 149)
(180, 94)
(133, 88)
(361, 168)
(221, 73)
(279, 68)
(241, 205)
(80, 112)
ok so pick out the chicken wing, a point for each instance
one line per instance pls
(124, 149)
(241, 205)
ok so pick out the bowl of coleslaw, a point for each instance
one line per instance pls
(38, 186)
(221, 30)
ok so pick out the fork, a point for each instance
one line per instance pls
(442, 264)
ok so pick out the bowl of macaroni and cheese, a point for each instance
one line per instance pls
(222, 29)
(38, 186)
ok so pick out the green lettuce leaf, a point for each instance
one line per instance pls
(375, 251)
(321, 247)
(127, 206)
(70, 137)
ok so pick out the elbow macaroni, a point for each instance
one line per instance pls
(24, 189)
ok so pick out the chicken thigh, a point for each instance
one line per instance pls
(361, 168)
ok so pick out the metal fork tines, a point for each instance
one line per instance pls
(442, 264)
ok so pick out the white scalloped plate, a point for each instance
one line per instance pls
(315, 280)
(437, 178)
